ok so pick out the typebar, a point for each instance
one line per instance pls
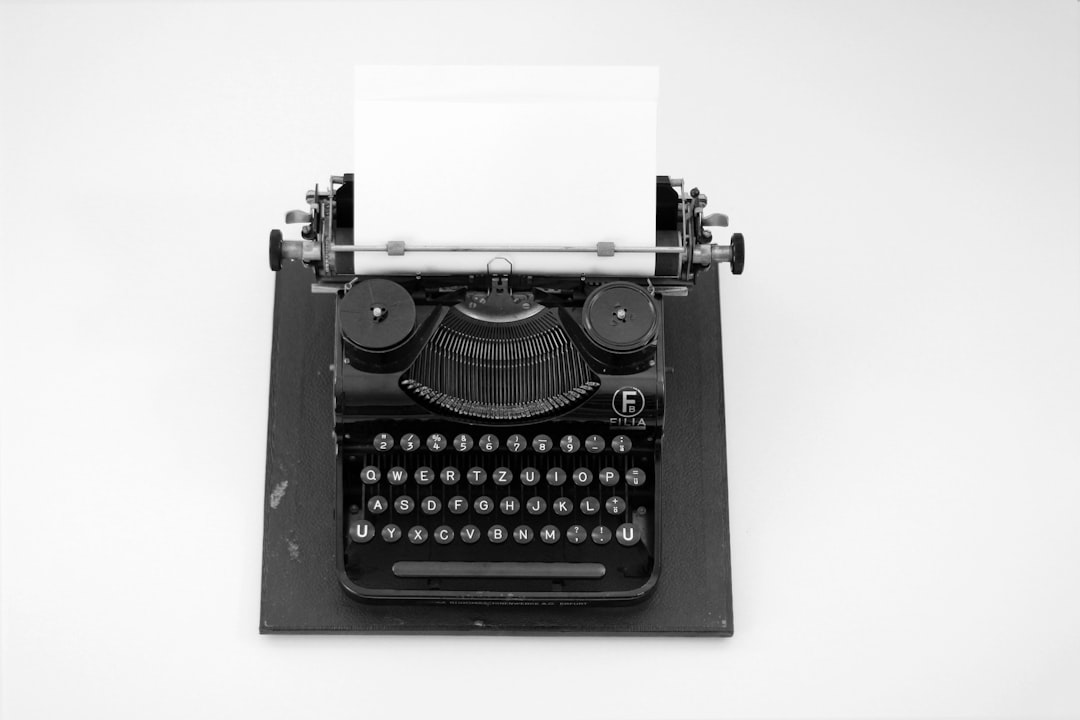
(554, 570)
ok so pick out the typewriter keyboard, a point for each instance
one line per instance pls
(550, 508)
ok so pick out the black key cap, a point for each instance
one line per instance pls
(562, 506)
(590, 505)
(483, 504)
(549, 534)
(397, 476)
(635, 477)
(509, 505)
(370, 475)
(410, 442)
(627, 534)
(477, 476)
(383, 442)
(391, 533)
(515, 443)
(377, 505)
(443, 534)
(470, 534)
(554, 570)
(601, 535)
(529, 476)
(594, 443)
(523, 534)
(457, 504)
(576, 534)
(404, 504)
(502, 476)
(463, 443)
(621, 444)
(556, 476)
(417, 534)
(570, 444)
(361, 531)
(489, 443)
(424, 475)
(436, 442)
(536, 505)
(449, 476)
(615, 505)
(497, 534)
(542, 443)
(609, 476)
(430, 505)
(582, 477)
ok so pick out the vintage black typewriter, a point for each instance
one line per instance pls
(500, 436)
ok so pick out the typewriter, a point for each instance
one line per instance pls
(499, 436)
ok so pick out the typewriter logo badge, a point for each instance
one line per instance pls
(628, 402)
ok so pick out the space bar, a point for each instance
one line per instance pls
(434, 569)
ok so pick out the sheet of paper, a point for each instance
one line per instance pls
(454, 157)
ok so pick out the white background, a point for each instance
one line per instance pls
(901, 355)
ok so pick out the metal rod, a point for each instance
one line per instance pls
(509, 248)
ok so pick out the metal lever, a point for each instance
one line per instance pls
(297, 216)
(714, 220)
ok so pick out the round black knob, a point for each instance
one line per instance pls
(275, 250)
(738, 253)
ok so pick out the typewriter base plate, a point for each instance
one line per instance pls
(300, 590)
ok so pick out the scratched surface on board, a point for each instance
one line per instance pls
(300, 591)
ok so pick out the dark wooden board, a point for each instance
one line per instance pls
(300, 591)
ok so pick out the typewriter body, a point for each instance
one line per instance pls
(499, 435)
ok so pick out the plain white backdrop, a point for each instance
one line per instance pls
(901, 355)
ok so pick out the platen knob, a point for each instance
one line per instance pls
(738, 253)
(275, 250)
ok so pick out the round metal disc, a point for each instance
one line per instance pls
(377, 314)
(620, 316)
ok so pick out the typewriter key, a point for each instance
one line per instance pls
(576, 534)
(377, 314)
(627, 534)
(620, 317)
(615, 505)
(362, 531)
(601, 535)
(556, 476)
(391, 533)
(549, 534)
(562, 506)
